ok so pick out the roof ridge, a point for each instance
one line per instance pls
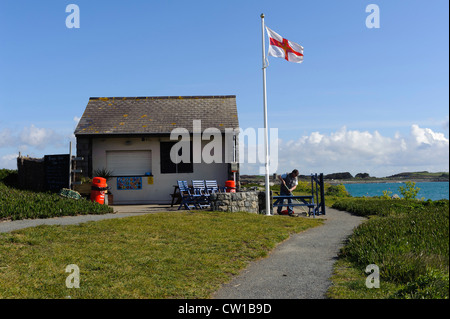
(163, 97)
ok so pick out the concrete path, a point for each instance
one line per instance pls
(299, 268)
(119, 212)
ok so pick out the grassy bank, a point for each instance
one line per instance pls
(19, 204)
(407, 240)
(163, 255)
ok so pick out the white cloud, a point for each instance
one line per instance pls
(6, 138)
(32, 140)
(38, 137)
(8, 161)
(363, 152)
(427, 136)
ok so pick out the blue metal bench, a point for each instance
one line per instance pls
(315, 202)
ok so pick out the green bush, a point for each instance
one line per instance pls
(433, 285)
(409, 191)
(6, 172)
(9, 176)
(403, 246)
(19, 204)
(408, 240)
(386, 194)
(337, 190)
(384, 207)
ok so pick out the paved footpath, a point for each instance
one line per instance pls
(119, 212)
(299, 268)
(67, 220)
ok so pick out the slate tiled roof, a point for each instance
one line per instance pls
(156, 115)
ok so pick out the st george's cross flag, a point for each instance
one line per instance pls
(283, 48)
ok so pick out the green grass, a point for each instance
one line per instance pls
(407, 240)
(163, 255)
(19, 204)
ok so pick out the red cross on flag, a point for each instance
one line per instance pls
(283, 48)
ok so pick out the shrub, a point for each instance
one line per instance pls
(384, 207)
(9, 176)
(408, 240)
(5, 172)
(386, 194)
(409, 191)
(432, 285)
(19, 204)
(337, 190)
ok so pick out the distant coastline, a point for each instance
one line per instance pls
(362, 178)
(382, 180)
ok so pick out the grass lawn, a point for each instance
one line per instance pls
(163, 255)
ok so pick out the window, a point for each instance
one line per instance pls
(169, 167)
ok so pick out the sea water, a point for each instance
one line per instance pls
(428, 190)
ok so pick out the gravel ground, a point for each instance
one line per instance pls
(299, 268)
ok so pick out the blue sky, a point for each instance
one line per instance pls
(364, 100)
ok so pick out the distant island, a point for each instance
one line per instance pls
(347, 178)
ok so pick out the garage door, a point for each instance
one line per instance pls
(129, 163)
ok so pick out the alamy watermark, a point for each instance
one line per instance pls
(373, 280)
(73, 280)
(373, 19)
(212, 145)
(73, 19)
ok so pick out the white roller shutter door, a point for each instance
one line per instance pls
(129, 163)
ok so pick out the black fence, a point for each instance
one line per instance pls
(51, 173)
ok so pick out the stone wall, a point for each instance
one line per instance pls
(252, 202)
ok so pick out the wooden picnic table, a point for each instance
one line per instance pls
(302, 200)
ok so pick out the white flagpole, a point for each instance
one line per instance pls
(266, 135)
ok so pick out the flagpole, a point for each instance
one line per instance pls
(266, 135)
